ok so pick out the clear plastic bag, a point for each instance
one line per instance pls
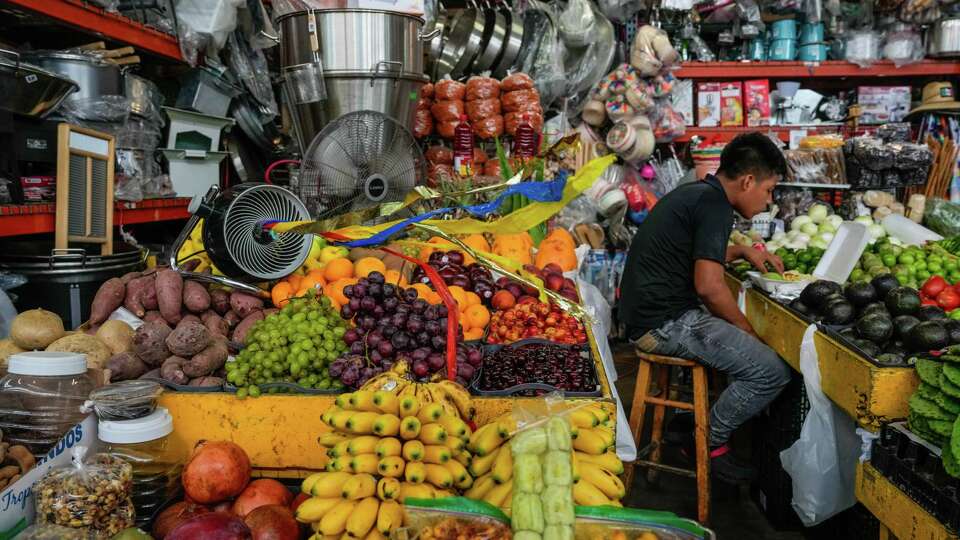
(546, 65)
(863, 47)
(448, 89)
(942, 217)
(516, 81)
(453, 518)
(480, 109)
(903, 47)
(125, 400)
(55, 532)
(250, 66)
(610, 522)
(204, 26)
(447, 110)
(105, 108)
(482, 88)
(576, 23)
(89, 494)
(894, 132)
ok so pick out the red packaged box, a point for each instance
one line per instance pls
(756, 96)
(39, 188)
(731, 104)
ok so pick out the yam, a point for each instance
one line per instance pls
(220, 300)
(215, 323)
(195, 297)
(117, 335)
(109, 297)
(172, 370)
(148, 342)
(97, 352)
(125, 366)
(151, 271)
(35, 329)
(155, 316)
(129, 276)
(134, 296)
(148, 294)
(189, 318)
(152, 374)
(240, 332)
(270, 311)
(208, 360)
(232, 318)
(170, 295)
(188, 339)
(207, 381)
(245, 304)
(7, 349)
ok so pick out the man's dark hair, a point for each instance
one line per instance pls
(752, 153)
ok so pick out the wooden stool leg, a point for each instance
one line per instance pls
(637, 413)
(700, 411)
(656, 435)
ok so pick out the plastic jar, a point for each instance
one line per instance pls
(145, 444)
(41, 396)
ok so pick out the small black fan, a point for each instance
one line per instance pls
(360, 160)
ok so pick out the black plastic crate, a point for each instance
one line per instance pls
(915, 467)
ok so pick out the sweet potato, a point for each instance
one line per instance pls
(108, 298)
(188, 339)
(232, 318)
(148, 342)
(220, 300)
(152, 374)
(125, 365)
(133, 300)
(172, 370)
(206, 381)
(151, 271)
(270, 311)
(240, 332)
(148, 295)
(155, 316)
(190, 265)
(195, 297)
(189, 318)
(245, 304)
(170, 295)
(215, 323)
(129, 276)
(208, 360)
(117, 335)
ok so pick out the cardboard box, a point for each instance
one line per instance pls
(681, 98)
(756, 97)
(731, 104)
(708, 104)
(883, 104)
(39, 188)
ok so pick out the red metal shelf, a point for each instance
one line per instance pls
(18, 219)
(725, 134)
(107, 25)
(831, 68)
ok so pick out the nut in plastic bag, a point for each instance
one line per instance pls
(452, 518)
(125, 400)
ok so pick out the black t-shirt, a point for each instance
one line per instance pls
(691, 222)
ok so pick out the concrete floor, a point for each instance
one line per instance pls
(734, 514)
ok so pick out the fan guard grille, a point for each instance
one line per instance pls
(258, 254)
(360, 160)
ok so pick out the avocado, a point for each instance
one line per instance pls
(890, 359)
(815, 294)
(884, 283)
(929, 336)
(839, 312)
(869, 348)
(896, 347)
(931, 313)
(876, 327)
(902, 301)
(953, 329)
(876, 307)
(801, 308)
(903, 324)
(860, 293)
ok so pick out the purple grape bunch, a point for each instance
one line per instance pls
(393, 324)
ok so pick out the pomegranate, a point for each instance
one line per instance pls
(217, 470)
(262, 492)
(273, 522)
(223, 506)
(212, 526)
(175, 515)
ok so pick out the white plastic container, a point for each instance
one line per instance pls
(194, 131)
(843, 253)
(777, 287)
(192, 172)
(912, 234)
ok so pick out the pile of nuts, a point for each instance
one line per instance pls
(93, 495)
(15, 461)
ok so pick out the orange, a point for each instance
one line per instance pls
(473, 334)
(294, 280)
(310, 282)
(478, 316)
(334, 305)
(395, 277)
(423, 290)
(338, 269)
(472, 299)
(459, 295)
(364, 266)
(334, 290)
(434, 299)
(317, 274)
(280, 294)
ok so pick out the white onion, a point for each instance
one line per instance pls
(817, 213)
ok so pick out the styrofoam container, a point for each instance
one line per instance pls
(192, 172)
(912, 234)
(777, 287)
(194, 131)
(843, 253)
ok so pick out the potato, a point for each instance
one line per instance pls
(124, 366)
(187, 340)
(208, 360)
(220, 301)
(195, 297)
(117, 335)
(148, 342)
(97, 352)
(155, 316)
(232, 318)
(108, 298)
(35, 329)
(136, 291)
(215, 323)
(240, 332)
(189, 318)
(126, 278)
(7, 349)
(170, 294)
(206, 381)
(172, 370)
(245, 304)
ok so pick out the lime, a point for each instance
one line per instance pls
(950, 265)
(923, 275)
(804, 257)
(902, 277)
(856, 275)
(241, 393)
(907, 258)
(935, 268)
(955, 315)
(254, 391)
(889, 260)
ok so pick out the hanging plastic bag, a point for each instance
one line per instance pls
(577, 23)
(204, 26)
(942, 217)
(903, 47)
(823, 462)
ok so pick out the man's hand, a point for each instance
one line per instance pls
(758, 257)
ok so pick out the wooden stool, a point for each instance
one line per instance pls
(661, 400)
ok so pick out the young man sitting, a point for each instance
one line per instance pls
(674, 300)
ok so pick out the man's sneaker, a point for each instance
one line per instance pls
(726, 467)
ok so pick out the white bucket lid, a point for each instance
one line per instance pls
(47, 363)
(155, 425)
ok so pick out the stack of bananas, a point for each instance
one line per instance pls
(595, 462)
(383, 449)
(454, 398)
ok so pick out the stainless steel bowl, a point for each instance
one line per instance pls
(944, 38)
(30, 90)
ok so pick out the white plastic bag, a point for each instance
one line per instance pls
(823, 462)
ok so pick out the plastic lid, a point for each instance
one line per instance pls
(47, 363)
(153, 426)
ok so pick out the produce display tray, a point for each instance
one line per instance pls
(915, 467)
(490, 350)
(834, 332)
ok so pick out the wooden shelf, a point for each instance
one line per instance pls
(800, 70)
(19, 219)
(99, 22)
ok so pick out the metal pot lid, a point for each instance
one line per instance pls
(351, 11)
(76, 57)
(249, 121)
(406, 75)
(35, 70)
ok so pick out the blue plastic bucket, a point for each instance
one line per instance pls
(782, 49)
(813, 52)
(811, 33)
(758, 50)
(785, 29)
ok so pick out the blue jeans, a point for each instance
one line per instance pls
(756, 373)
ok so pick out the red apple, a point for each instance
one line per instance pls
(527, 299)
(503, 300)
(569, 284)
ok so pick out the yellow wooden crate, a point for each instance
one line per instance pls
(903, 518)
